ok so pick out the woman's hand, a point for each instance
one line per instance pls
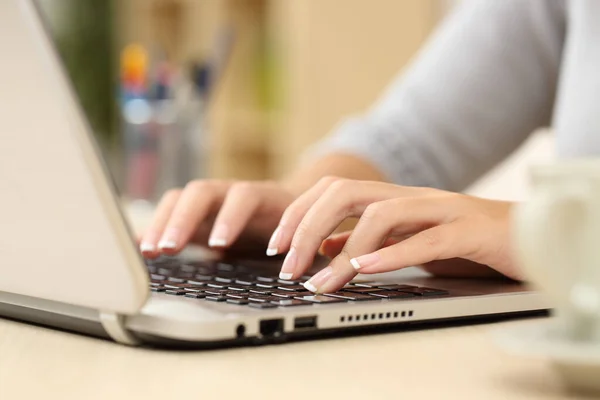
(398, 227)
(224, 215)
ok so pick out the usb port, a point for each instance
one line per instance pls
(305, 322)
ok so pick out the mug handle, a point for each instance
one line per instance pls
(535, 228)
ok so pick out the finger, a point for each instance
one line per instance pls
(438, 243)
(193, 206)
(150, 238)
(341, 200)
(282, 236)
(240, 204)
(380, 221)
(333, 245)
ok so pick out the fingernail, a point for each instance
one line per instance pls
(365, 261)
(169, 239)
(218, 237)
(316, 282)
(285, 275)
(289, 264)
(272, 249)
(147, 247)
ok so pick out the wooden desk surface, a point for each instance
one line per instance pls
(442, 363)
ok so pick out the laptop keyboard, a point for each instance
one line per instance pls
(240, 285)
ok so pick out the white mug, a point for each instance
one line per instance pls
(557, 235)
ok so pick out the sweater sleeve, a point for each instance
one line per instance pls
(484, 81)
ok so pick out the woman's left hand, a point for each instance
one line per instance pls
(398, 227)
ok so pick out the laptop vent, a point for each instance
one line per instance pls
(396, 315)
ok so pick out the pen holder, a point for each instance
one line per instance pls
(163, 146)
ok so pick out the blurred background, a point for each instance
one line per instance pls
(184, 89)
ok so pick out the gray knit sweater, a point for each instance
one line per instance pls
(494, 72)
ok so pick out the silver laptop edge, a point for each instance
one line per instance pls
(75, 266)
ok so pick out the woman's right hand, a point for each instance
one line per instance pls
(225, 215)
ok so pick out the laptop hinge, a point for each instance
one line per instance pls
(114, 325)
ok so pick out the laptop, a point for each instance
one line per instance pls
(69, 260)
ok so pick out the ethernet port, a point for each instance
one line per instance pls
(271, 327)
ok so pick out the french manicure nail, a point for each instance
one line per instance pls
(367, 260)
(289, 264)
(285, 275)
(274, 243)
(218, 237)
(146, 247)
(169, 239)
(316, 282)
(310, 287)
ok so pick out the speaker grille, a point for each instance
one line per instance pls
(389, 315)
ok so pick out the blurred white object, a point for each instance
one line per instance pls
(556, 233)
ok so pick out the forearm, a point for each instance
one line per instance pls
(335, 164)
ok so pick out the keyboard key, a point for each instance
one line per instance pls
(262, 305)
(157, 277)
(237, 288)
(261, 299)
(225, 267)
(261, 291)
(187, 268)
(320, 299)
(293, 288)
(247, 281)
(368, 283)
(264, 278)
(237, 295)
(356, 289)
(184, 275)
(175, 279)
(204, 270)
(158, 288)
(284, 294)
(171, 285)
(392, 294)
(167, 262)
(267, 285)
(203, 277)
(195, 289)
(240, 302)
(176, 292)
(196, 283)
(223, 279)
(217, 285)
(151, 269)
(290, 303)
(216, 298)
(156, 283)
(195, 295)
(286, 282)
(352, 296)
(216, 292)
(165, 271)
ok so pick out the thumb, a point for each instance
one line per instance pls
(334, 244)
